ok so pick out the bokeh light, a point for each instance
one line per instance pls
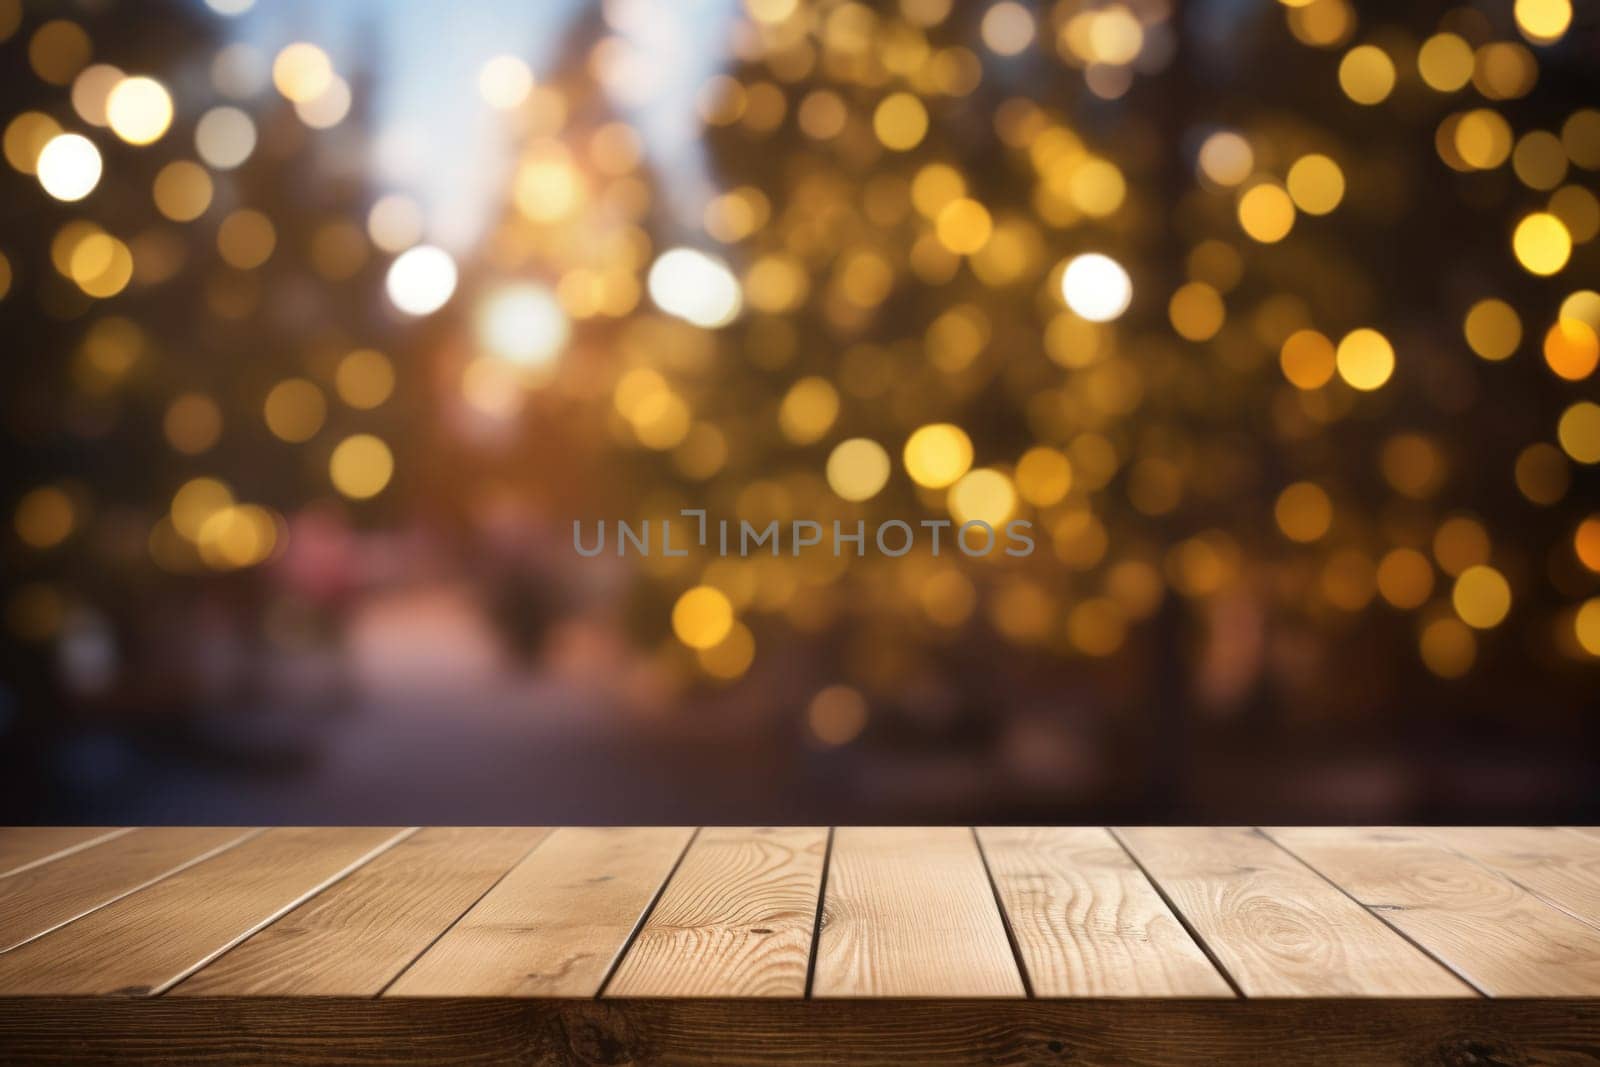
(857, 468)
(69, 167)
(361, 466)
(694, 286)
(421, 280)
(139, 110)
(1096, 287)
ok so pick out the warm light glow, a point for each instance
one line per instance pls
(364, 379)
(1007, 28)
(1447, 647)
(1196, 311)
(1307, 359)
(44, 518)
(523, 323)
(1044, 476)
(1543, 21)
(295, 410)
(836, 715)
(808, 410)
(182, 190)
(328, 108)
(1096, 287)
(1541, 243)
(90, 90)
(1493, 329)
(1366, 74)
(702, 617)
(302, 72)
(361, 466)
(1579, 432)
(505, 82)
(900, 121)
(1481, 597)
(1304, 512)
(1266, 212)
(1572, 349)
(69, 167)
(1445, 62)
(857, 468)
(224, 137)
(421, 280)
(695, 287)
(937, 455)
(1316, 184)
(395, 223)
(1365, 359)
(1226, 158)
(983, 495)
(1586, 626)
(139, 110)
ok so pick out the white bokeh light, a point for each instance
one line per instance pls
(694, 287)
(421, 280)
(523, 324)
(225, 137)
(1096, 287)
(69, 167)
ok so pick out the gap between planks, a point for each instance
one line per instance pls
(1376, 913)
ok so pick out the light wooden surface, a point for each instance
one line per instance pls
(148, 940)
(1491, 931)
(735, 921)
(801, 913)
(1087, 922)
(1278, 928)
(909, 912)
(22, 847)
(41, 898)
(555, 925)
(354, 938)
(1554, 863)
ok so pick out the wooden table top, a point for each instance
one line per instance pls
(763, 916)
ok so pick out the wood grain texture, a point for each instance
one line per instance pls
(1086, 920)
(1279, 929)
(1552, 862)
(909, 912)
(554, 925)
(735, 921)
(305, 1031)
(22, 847)
(145, 942)
(355, 937)
(1492, 932)
(41, 898)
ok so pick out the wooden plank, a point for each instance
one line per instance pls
(1087, 921)
(553, 927)
(355, 937)
(1276, 927)
(145, 942)
(1163, 1032)
(1492, 932)
(909, 912)
(735, 921)
(41, 898)
(1560, 867)
(22, 847)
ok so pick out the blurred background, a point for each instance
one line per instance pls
(324, 321)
